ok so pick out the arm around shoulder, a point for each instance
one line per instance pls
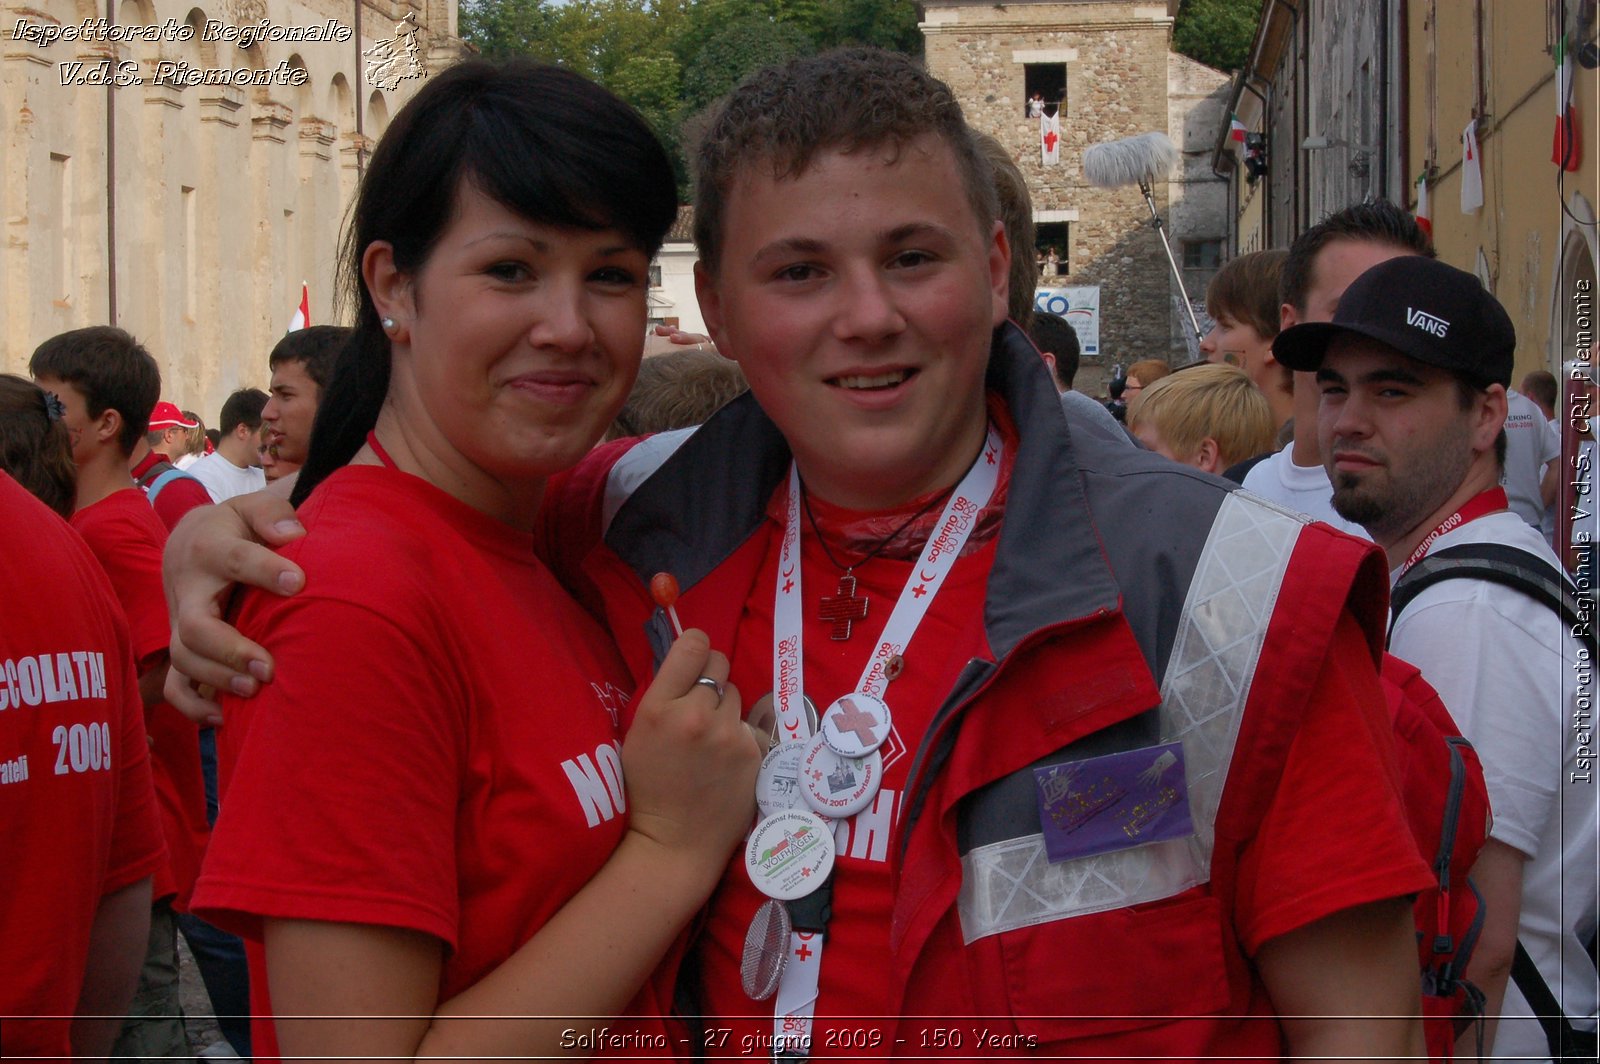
(213, 549)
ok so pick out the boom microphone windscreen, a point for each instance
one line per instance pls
(1138, 160)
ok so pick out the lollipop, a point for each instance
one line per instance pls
(664, 589)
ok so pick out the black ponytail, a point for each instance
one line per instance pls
(347, 409)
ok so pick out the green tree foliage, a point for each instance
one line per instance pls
(603, 38)
(734, 50)
(622, 44)
(497, 28)
(890, 24)
(1216, 32)
(671, 58)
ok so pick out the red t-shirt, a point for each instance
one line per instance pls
(127, 536)
(439, 750)
(77, 812)
(177, 496)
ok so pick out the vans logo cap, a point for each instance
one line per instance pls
(1465, 330)
(1427, 322)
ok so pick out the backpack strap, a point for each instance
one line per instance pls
(1564, 1039)
(155, 471)
(158, 476)
(1508, 566)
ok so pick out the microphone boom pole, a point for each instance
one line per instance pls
(1140, 160)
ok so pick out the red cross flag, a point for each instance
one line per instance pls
(1050, 139)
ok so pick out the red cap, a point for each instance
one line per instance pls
(167, 416)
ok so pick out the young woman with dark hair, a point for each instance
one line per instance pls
(34, 445)
(426, 822)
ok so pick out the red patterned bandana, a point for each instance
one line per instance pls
(856, 532)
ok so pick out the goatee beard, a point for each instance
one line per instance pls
(1359, 508)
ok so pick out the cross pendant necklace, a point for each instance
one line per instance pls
(843, 608)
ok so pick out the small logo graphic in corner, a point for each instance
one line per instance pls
(612, 699)
(395, 59)
(1427, 322)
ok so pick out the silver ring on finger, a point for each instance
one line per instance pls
(714, 685)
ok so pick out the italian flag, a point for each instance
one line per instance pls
(1567, 149)
(1424, 214)
(1236, 129)
(302, 313)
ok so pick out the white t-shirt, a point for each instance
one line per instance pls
(224, 480)
(1303, 489)
(186, 461)
(1547, 523)
(1531, 442)
(1509, 673)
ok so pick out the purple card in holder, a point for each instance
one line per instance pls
(1113, 802)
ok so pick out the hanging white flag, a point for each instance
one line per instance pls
(302, 314)
(1050, 139)
(1471, 169)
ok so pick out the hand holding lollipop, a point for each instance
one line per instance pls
(664, 589)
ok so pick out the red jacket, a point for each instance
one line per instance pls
(1080, 625)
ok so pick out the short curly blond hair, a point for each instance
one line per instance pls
(1207, 401)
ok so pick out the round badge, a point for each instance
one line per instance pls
(778, 781)
(856, 725)
(766, 950)
(838, 786)
(789, 854)
(764, 718)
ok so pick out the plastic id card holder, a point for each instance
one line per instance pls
(1113, 802)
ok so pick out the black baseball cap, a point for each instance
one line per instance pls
(1422, 308)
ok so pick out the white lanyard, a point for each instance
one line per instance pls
(786, 618)
(796, 1000)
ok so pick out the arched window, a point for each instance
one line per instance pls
(377, 118)
(341, 103)
(303, 106)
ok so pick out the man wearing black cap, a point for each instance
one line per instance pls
(1413, 371)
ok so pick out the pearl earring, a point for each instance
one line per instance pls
(388, 323)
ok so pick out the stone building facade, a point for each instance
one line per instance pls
(187, 201)
(1197, 106)
(1359, 97)
(1109, 68)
